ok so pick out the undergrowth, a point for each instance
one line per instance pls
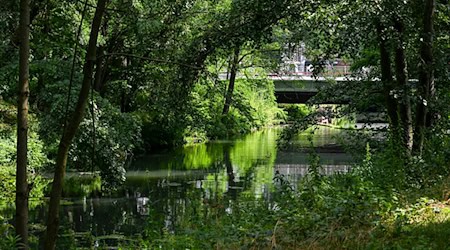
(379, 204)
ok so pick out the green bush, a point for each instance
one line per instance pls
(8, 239)
(296, 111)
(82, 186)
(253, 107)
(37, 158)
(116, 135)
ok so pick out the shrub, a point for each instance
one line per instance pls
(116, 134)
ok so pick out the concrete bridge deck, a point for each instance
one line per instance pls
(299, 89)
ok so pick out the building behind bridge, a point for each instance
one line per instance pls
(295, 62)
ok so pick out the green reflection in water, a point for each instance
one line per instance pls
(244, 164)
(318, 136)
(200, 156)
(256, 162)
(162, 191)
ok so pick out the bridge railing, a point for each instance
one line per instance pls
(327, 71)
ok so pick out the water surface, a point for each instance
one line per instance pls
(161, 187)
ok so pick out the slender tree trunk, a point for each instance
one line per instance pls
(98, 78)
(401, 72)
(101, 63)
(228, 70)
(426, 77)
(69, 134)
(387, 80)
(124, 97)
(101, 72)
(233, 73)
(22, 127)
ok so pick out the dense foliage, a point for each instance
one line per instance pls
(37, 157)
(168, 73)
(154, 86)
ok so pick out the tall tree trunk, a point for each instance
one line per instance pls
(69, 134)
(22, 127)
(233, 73)
(124, 96)
(101, 63)
(387, 80)
(102, 72)
(426, 77)
(401, 72)
(98, 78)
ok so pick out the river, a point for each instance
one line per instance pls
(160, 187)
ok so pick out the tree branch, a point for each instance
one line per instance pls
(149, 59)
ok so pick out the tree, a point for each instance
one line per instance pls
(71, 129)
(22, 127)
(233, 73)
(404, 102)
(426, 87)
(403, 53)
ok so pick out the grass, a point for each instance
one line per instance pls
(424, 224)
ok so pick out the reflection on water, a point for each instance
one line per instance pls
(161, 188)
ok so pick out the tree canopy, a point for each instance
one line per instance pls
(108, 80)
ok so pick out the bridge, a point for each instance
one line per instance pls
(296, 83)
(300, 88)
(295, 87)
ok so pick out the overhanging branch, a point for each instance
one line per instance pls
(149, 59)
